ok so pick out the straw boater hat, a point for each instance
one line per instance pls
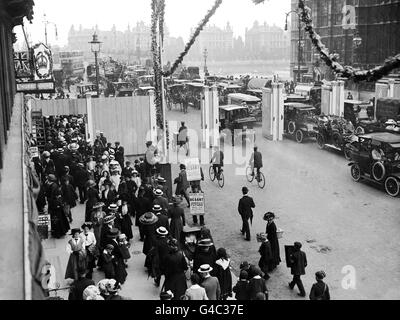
(73, 146)
(162, 231)
(112, 157)
(205, 268)
(111, 151)
(60, 150)
(156, 208)
(109, 246)
(148, 218)
(108, 219)
(112, 206)
(205, 243)
(161, 180)
(158, 192)
(166, 295)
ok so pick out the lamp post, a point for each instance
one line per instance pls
(205, 55)
(300, 41)
(357, 41)
(95, 46)
(46, 22)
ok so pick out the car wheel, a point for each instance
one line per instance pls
(356, 172)
(320, 141)
(360, 130)
(292, 127)
(378, 171)
(347, 153)
(299, 136)
(392, 186)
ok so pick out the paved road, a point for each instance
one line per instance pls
(348, 226)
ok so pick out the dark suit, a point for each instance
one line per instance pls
(111, 197)
(298, 262)
(246, 204)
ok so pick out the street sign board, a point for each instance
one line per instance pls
(36, 87)
(197, 203)
(193, 169)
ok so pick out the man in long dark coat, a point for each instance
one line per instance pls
(245, 208)
(298, 261)
(162, 250)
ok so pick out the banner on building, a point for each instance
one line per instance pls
(193, 172)
(197, 203)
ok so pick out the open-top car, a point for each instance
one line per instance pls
(300, 121)
(335, 132)
(236, 122)
(123, 89)
(376, 157)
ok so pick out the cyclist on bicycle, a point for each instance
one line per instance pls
(256, 162)
(217, 161)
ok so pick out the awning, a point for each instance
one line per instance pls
(257, 84)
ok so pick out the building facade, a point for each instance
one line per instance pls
(362, 33)
(265, 41)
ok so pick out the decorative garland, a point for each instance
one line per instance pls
(189, 44)
(330, 59)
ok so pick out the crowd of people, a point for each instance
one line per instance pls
(119, 195)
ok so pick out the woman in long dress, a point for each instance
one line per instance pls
(97, 218)
(266, 263)
(177, 216)
(273, 240)
(77, 255)
(90, 245)
(175, 267)
(92, 198)
(222, 271)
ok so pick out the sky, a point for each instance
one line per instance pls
(181, 16)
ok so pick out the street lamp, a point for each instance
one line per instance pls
(357, 41)
(46, 22)
(205, 55)
(95, 46)
(300, 41)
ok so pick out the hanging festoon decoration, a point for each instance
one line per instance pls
(157, 37)
(330, 59)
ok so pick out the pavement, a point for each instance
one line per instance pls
(348, 229)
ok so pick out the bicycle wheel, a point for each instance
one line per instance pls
(211, 173)
(249, 175)
(221, 180)
(261, 181)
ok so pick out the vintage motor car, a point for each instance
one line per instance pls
(143, 91)
(236, 123)
(300, 121)
(251, 102)
(376, 157)
(335, 132)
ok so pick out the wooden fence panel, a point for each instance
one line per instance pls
(123, 119)
(60, 107)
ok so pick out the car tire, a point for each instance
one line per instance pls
(360, 130)
(320, 141)
(392, 186)
(299, 136)
(291, 127)
(355, 171)
(378, 171)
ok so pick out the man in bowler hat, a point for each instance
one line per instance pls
(245, 208)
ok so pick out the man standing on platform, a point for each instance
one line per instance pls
(245, 208)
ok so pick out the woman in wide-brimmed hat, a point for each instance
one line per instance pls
(93, 197)
(175, 266)
(77, 255)
(204, 254)
(177, 215)
(272, 237)
(148, 221)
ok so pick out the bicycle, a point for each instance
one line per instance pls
(251, 176)
(220, 178)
